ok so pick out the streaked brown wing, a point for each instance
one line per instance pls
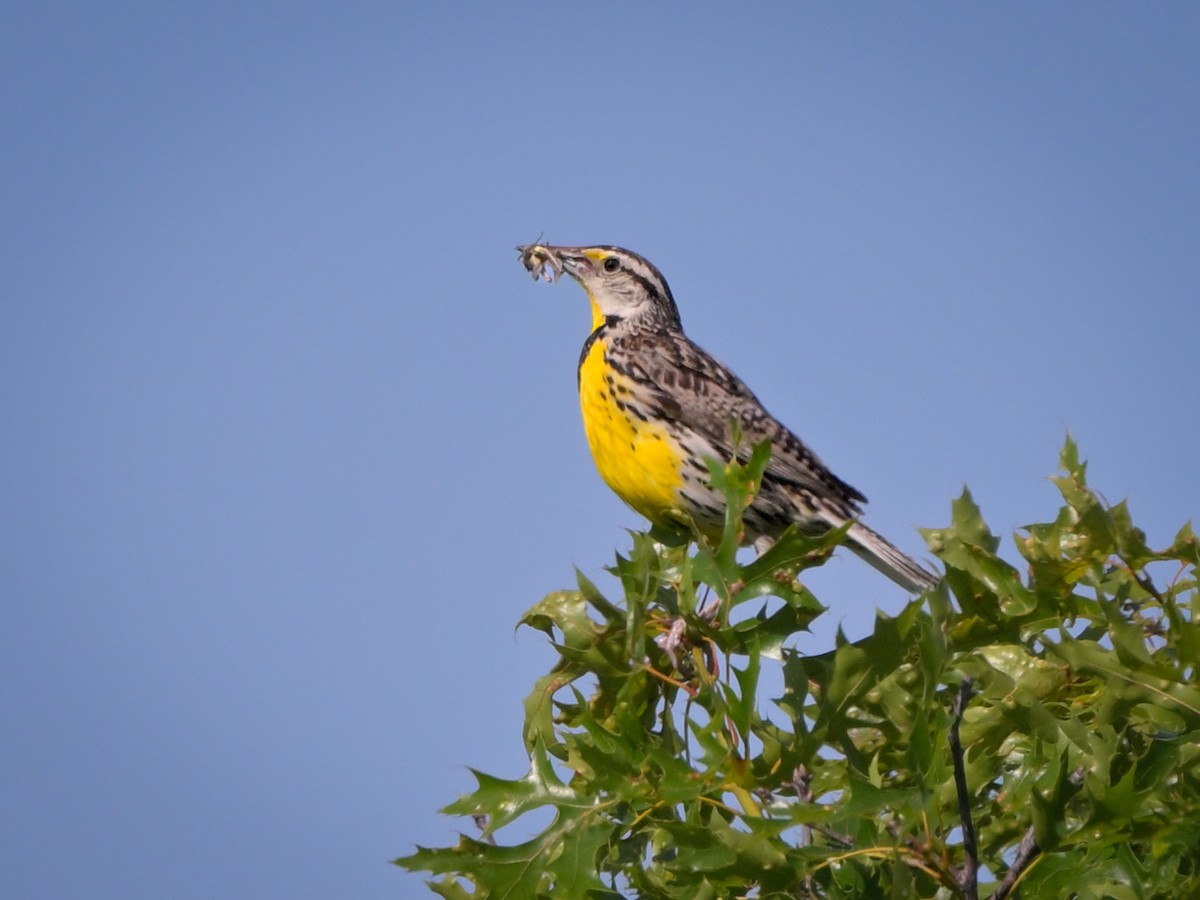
(700, 393)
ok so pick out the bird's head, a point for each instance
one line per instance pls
(621, 285)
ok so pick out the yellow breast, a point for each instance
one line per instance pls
(637, 459)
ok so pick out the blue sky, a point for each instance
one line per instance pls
(291, 440)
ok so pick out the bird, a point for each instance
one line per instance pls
(655, 405)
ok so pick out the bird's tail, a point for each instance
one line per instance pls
(883, 555)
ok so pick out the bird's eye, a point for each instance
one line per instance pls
(612, 264)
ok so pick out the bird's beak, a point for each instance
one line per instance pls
(574, 261)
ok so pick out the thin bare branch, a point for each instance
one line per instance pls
(968, 879)
(1025, 854)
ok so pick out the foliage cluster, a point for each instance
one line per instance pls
(1002, 733)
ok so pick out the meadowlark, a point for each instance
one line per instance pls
(655, 405)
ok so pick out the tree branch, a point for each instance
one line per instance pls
(800, 783)
(1025, 854)
(968, 879)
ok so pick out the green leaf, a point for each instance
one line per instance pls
(503, 800)
(539, 711)
(1068, 460)
(739, 481)
(664, 770)
(742, 702)
(985, 584)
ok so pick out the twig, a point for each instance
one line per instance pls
(801, 780)
(968, 879)
(1025, 853)
(1144, 581)
(481, 822)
